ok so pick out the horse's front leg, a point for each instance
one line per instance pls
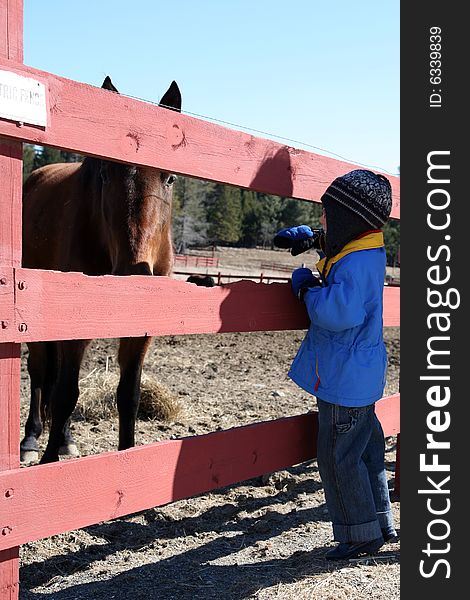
(131, 357)
(68, 446)
(38, 366)
(64, 399)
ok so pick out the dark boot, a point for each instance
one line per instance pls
(348, 550)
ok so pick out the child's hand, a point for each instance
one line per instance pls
(302, 279)
(285, 237)
(299, 239)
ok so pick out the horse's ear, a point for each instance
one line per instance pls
(108, 85)
(172, 97)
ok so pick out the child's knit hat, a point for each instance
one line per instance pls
(355, 203)
(365, 193)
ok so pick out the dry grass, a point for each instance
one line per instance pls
(98, 399)
(368, 578)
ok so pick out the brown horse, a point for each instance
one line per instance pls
(97, 217)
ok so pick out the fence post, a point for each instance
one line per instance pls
(11, 155)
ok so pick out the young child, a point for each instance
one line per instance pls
(342, 360)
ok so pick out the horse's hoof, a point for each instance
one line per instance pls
(29, 457)
(70, 450)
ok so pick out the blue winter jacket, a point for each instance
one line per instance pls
(343, 359)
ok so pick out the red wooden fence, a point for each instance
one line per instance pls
(43, 305)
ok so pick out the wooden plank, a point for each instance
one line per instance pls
(52, 498)
(96, 122)
(11, 165)
(397, 469)
(388, 412)
(11, 30)
(391, 308)
(49, 499)
(9, 570)
(56, 305)
(73, 306)
(7, 299)
(9, 368)
(9, 406)
(11, 47)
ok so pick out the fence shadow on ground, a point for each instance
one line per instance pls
(121, 534)
(190, 576)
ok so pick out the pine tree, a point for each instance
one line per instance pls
(391, 231)
(69, 157)
(46, 156)
(189, 219)
(299, 212)
(223, 210)
(38, 156)
(269, 207)
(250, 221)
(28, 160)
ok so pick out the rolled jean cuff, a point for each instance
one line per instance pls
(357, 533)
(385, 520)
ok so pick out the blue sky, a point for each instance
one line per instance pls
(322, 73)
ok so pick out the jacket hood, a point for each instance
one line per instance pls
(343, 225)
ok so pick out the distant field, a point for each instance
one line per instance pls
(252, 261)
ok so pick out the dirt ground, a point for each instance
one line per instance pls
(261, 539)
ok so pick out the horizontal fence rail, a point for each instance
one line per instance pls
(49, 305)
(48, 499)
(97, 122)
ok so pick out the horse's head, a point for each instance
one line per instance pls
(136, 209)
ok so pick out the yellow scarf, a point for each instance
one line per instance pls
(367, 242)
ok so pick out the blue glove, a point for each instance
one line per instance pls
(302, 279)
(285, 237)
(299, 239)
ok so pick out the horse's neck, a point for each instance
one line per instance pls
(90, 172)
(89, 216)
(90, 190)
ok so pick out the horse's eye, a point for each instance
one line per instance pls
(169, 180)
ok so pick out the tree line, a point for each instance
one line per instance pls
(207, 213)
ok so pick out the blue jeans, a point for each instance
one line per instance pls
(351, 449)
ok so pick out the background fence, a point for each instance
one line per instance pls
(189, 260)
(41, 305)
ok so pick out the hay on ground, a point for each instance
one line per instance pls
(98, 399)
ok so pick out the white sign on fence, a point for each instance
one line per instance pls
(22, 99)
